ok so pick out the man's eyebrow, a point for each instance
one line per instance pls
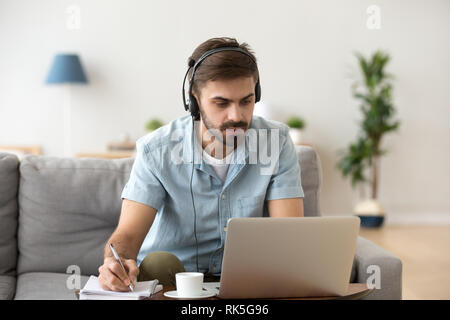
(225, 99)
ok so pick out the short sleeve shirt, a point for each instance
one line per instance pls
(265, 167)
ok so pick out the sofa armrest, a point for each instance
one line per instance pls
(371, 259)
(7, 287)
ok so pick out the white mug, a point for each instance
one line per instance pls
(189, 284)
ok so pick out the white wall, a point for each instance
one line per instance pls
(135, 55)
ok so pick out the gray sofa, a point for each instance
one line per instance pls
(57, 213)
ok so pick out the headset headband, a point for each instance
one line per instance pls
(210, 52)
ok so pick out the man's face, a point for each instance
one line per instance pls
(226, 105)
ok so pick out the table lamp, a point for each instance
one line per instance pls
(66, 69)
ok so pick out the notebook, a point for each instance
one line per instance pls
(143, 289)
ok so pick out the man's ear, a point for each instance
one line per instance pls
(196, 97)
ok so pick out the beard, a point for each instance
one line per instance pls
(226, 140)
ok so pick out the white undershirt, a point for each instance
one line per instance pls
(220, 166)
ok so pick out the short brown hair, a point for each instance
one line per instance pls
(222, 65)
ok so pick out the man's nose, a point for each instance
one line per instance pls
(234, 114)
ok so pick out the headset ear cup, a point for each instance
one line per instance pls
(193, 106)
(257, 92)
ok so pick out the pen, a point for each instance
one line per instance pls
(120, 262)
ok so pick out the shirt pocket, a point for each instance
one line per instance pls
(251, 206)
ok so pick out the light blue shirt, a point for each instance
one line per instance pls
(161, 174)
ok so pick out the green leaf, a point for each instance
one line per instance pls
(295, 122)
(377, 110)
(153, 124)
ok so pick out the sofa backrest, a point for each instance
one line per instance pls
(69, 207)
(311, 179)
(9, 183)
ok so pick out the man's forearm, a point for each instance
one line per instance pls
(125, 246)
(289, 207)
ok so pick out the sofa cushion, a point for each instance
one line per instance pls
(7, 287)
(68, 209)
(311, 179)
(9, 183)
(46, 286)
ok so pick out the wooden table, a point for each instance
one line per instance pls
(355, 291)
(32, 149)
(105, 155)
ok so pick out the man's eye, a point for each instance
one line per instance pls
(224, 104)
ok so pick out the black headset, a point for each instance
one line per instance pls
(191, 105)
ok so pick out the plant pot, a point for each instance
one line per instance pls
(296, 135)
(370, 212)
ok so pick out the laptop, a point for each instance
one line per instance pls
(288, 257)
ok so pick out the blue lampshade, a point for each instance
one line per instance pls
(66, 68)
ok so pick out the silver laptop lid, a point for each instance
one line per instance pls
(288, 257)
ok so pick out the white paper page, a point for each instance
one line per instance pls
(141, 289)
(158, 288)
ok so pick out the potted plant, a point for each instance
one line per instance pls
(153, 124)
(296, 125)
(361, 160)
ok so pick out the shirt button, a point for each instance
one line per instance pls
(223, 196)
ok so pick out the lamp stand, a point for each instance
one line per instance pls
(67, 121)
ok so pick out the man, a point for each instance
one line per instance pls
(164, 228)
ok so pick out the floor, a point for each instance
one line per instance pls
(425, 254)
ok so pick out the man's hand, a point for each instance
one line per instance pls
(113, 278)
(135, 221)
